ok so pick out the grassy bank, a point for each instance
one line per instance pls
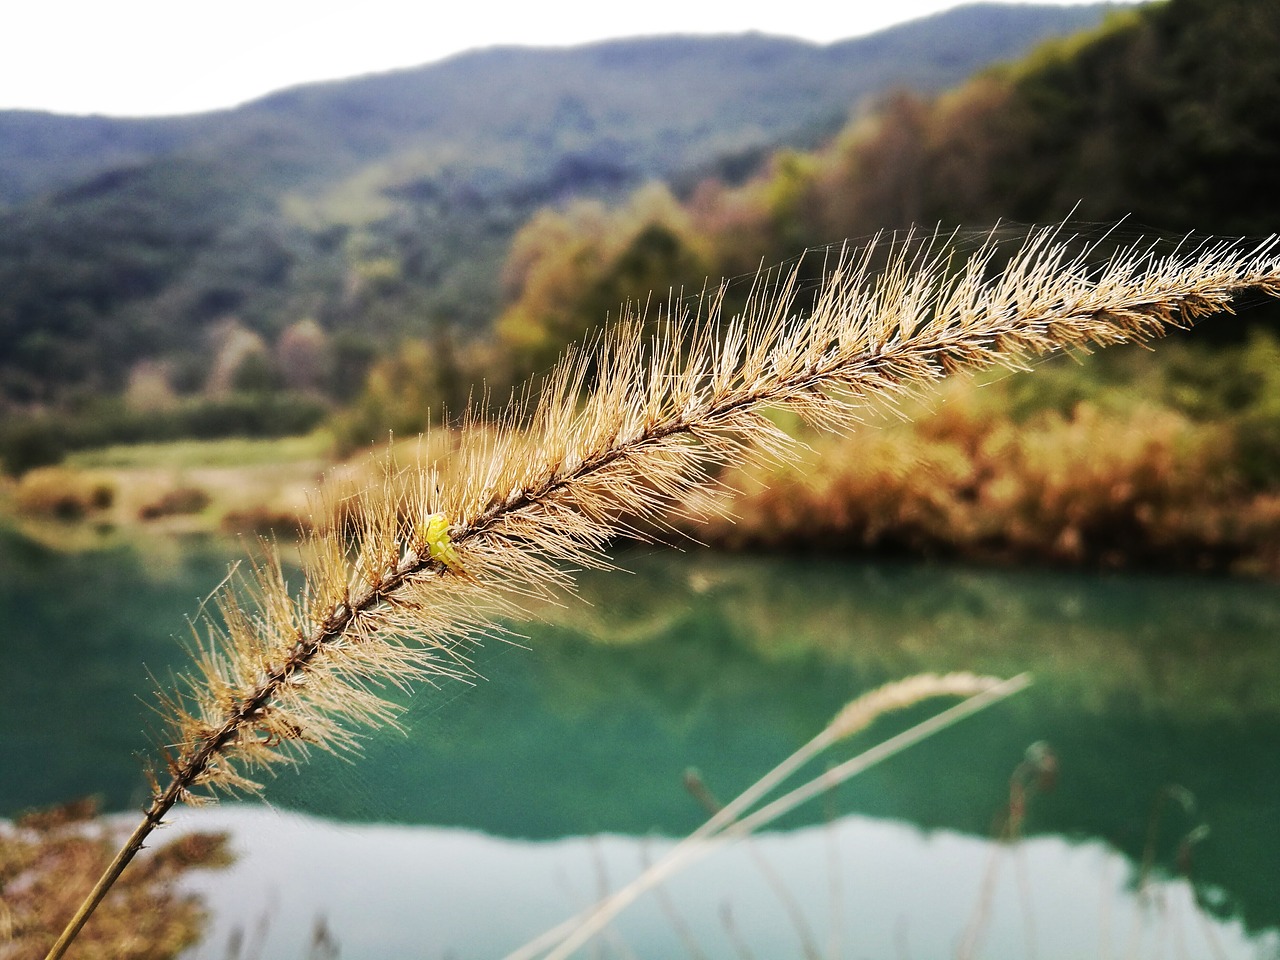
(1117, 462)
(1128, 459)
(217, 486)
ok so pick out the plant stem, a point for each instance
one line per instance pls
(573, 933)
(155, 813)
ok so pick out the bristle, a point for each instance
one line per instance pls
(622, 435)
(411, 571)
(860, 713)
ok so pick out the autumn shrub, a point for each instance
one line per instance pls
(180, 501)
(264, 521)
(1143, 486)
(62, 494)
(1107, 490)
(48, 860)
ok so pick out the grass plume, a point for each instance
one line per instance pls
(746, 813)
(622, 434)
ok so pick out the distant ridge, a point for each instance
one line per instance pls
(383, 206)
(779, 85)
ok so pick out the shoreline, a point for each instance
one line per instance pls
(1063, 496)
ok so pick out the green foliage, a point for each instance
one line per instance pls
(1234, 388)
(1159, 113)
(1165, 115)
(40, 439)
(227, 452)
(71, 263)
(421, 381)
(381, 208)
(569, 272)
(398, 399)
(40, 152)
(393, 224)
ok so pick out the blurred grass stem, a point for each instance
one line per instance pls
(728, 825)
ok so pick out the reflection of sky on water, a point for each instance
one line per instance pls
(726, 664)
(430, 892)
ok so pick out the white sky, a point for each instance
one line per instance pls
(146, 57)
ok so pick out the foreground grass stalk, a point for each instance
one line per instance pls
(982, 692)
(619, 438)
(130, 849)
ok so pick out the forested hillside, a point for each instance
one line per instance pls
(163, 277)
(1168, 114)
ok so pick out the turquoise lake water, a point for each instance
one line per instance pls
(1160, 697)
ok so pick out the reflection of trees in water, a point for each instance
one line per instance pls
(1142, 683)
(727, 664)
(83, 634)
(1196, 645)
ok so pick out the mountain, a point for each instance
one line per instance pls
(757, 86)
(43, 151)
(1163, 122)
(384, 205)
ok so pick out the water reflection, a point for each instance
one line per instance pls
(81, 636)
(727, 664)
(857, 886)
